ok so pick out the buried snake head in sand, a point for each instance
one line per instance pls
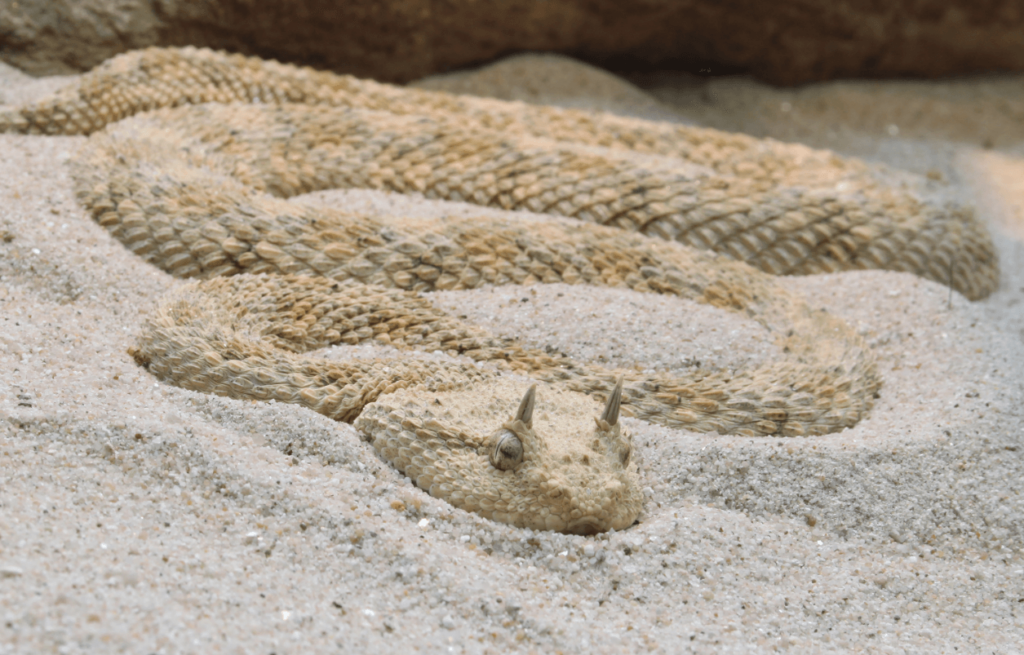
(543, 457)
(552, 463)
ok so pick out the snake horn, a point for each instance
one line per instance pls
(611, 410)
(525, 411)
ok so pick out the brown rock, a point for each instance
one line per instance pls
(789, 42)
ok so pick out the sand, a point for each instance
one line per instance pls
(138, 517)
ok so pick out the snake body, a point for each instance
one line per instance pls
(783, 208)
(200, 190)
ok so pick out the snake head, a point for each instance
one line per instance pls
(555, 462)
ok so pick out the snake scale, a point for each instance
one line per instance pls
(194, 153)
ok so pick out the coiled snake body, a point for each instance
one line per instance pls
(199, 190)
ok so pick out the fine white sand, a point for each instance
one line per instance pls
(138, 517)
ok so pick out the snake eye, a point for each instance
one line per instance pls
(507, 451)
(624, 455)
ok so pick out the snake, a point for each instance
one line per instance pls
(193, 156)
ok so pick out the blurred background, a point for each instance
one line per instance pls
(783, 42)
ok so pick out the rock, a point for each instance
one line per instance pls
(59, 37)
(789, 42)
(551, 79)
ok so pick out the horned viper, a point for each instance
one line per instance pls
(193, 155)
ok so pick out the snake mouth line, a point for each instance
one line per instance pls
(585, 527)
